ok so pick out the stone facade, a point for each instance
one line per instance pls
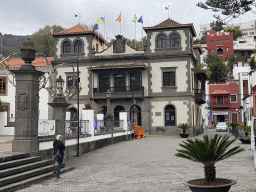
(162, 101)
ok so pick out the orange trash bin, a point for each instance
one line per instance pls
(139, 132)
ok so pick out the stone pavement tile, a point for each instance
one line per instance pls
(146, 165)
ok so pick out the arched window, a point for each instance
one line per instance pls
(66, 47)
(175, 40)
(161, 41)
(170, 116)
(78, 47)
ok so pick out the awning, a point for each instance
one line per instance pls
(220, 92)
(118, 66)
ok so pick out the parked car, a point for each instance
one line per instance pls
(221, 126)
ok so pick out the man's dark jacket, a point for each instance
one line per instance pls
(58, 145)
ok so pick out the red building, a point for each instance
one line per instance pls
(220, 43)
(225, 102)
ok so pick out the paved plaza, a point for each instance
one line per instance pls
(146, 164)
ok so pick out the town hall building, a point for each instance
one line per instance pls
(159, 81)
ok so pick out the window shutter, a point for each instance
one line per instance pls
(166, 79)
(172, 78)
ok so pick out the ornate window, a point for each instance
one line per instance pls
(3, 85)
(169, 78)
(175, 40)
(66, 47)
(78, 47)
(170, 115)
(161, 41)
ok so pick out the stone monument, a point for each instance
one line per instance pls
(26, 102)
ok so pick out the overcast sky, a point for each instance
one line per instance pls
(24, 17)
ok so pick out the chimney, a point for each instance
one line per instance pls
(240, 64)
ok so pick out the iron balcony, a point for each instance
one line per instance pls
(220, 105)
(199, 96)
(119, 92)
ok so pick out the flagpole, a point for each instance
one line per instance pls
(120, 22)
(135, 29)
(142, 35)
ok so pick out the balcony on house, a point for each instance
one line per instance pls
(119, 92)
(200, 96)
(220, 105)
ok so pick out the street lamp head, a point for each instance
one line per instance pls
(59, 85)
(108, 93)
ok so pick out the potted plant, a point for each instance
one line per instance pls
(2, 107)
(246, 139)
(87, 104)
(184, 127)
(233, 125)
(209, 151)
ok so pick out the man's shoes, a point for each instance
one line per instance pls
(53, 172)
(57, 177)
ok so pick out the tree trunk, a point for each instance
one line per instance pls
(209, 171)
(184, 131)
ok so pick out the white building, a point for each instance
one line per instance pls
(241, 72)
(8, 91)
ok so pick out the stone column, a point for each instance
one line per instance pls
(26, 102)
(59, 114)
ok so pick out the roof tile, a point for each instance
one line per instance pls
(38, 62)
(169, 23)
(118, 66)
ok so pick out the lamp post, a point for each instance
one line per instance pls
(108, 115)
(59, 106)
(77, 85)
(133, 108)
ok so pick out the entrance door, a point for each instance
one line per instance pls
(136, 115)
(135, 81)
(169, 115)
(117, 110)
(234, 117)
(119, 82)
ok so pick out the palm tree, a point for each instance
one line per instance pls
(208, 151)
(184, 126)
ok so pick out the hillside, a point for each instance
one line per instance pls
(12, 43)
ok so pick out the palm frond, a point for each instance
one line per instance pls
(208, 150)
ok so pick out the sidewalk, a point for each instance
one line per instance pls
(6, 146)
(144, 165)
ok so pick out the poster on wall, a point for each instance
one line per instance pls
(46, 127)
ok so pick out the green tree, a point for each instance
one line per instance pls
(236, 32)
(217, 69)
(233, 8)
(217, 25)
(234, 59)
(208, 152)
(43, 39)
(252, 63)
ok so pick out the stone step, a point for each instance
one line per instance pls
(18, 162)
(27, 182)
(23, 168)
(25, 175)
(14, 157)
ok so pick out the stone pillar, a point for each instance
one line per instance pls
(59, 106)
(26, 102)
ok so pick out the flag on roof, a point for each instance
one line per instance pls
(140, 20)
(101, 20)
(119, 18)
(95, 27)
(135, 18)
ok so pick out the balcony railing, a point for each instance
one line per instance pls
(119, 92)
(221, 105)
(199, 96)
